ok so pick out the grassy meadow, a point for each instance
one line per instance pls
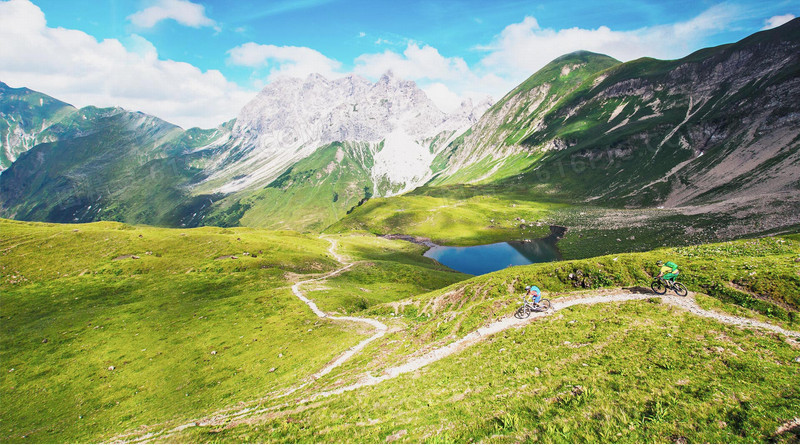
(108, 327)
(616, 372)
(628, 373)
(96, 342)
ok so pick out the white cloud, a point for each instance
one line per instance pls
(415, 63)
(73, 66)
(446, 80)
(289, 61)
(445, 99)
(523, 48)
(182, 11)
(777, 20)
(362, 34)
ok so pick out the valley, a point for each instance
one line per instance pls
(273, 279)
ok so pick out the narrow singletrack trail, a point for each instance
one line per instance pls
(687, 303)
(380, 328)
(232, 417)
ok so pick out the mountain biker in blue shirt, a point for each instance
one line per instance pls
(535, 292)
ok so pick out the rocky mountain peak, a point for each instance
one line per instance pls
(290, 118)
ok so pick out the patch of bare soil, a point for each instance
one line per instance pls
(126, 257)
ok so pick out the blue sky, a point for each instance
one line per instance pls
(197, 62)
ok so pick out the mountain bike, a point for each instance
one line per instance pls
(660, 286)
(527, 307)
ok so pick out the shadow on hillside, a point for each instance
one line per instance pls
(638, 290)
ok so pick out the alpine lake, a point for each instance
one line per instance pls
(483, 259)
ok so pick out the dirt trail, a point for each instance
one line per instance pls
(229, 418)
(687, 303)
(380, 328)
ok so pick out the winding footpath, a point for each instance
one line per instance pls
(229, 418)
(380, 328)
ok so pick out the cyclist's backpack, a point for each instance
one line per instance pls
(671, 264)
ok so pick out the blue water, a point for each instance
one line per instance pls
(479, 260)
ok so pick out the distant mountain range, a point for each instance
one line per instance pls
(720, 124)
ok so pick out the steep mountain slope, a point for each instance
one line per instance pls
(25, 118)
(718, 124)
(645, 153)
(291, 118)
(304, 152)
(492, 149)
(312, 194)
(110, 164)
(150, 171)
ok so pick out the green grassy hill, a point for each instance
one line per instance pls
(310, 195)
(110, 164)
(640, 371)
(108, 326)
(715, 125)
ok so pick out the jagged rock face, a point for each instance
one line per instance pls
(291, 118)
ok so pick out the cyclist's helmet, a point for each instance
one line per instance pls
(527, 288)
(659, 263)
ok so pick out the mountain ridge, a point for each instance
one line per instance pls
(585, 129)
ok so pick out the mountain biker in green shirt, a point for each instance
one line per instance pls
(669, 270)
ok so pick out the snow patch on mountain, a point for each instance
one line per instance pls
(402, 162)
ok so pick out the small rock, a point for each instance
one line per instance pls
(75, 230)
(45, 340)
(140, 236)
(280, 355)
(573, 321)
(111, 368)
(134, 257)
(619, 240)
(272, 369)
(501, 349)
(11, 370)
(797, 359)
(536, 372)
(797, 260)
(567, 342)
(213, 352)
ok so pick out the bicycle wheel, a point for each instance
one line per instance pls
(659, 287)
(522, 312)
(544, 305)
(680, 289)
